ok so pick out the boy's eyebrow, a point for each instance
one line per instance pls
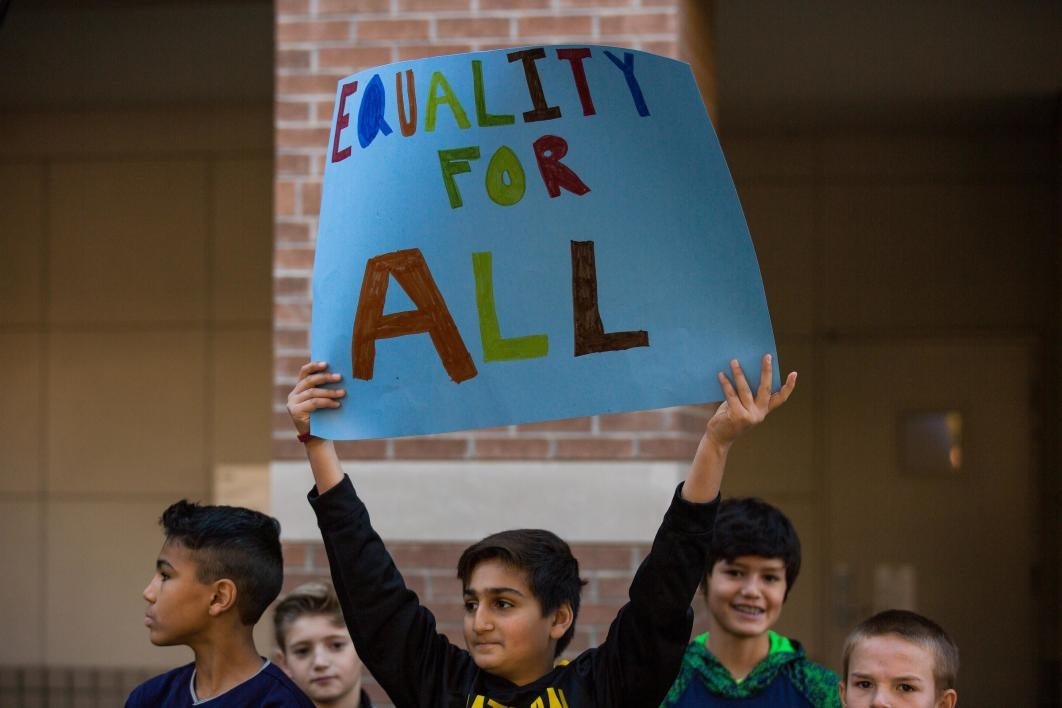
(163, 562)
(909, 679)
(472, 592)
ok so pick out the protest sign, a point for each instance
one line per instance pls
(529, 234)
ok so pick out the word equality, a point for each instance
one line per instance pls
(431, 314)
(371, 121)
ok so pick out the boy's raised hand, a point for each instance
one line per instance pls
(308, 394)
(742, 409)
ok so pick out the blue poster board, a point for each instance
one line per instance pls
(523, 235)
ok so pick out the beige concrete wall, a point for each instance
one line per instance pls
(135, 360)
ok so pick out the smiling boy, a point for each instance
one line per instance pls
(217, 572)
(521, 588)
(899, 658)
(315, 649)
(752, 565)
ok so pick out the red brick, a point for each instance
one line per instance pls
(283, 197)
(291, 164)
(294, 555)
(313, 31)
(293, 257)
(291, 7)
(325, 109)
(510, 5)
(580, 642)
(602, 556)
(287, 365)
(431, 449)
(307, 84)
(418, 584)
(287, 449)
(442, 556)
(420, 51)
(614, 589)
(351, 59)
(596, 3)
(667, 448)
(292, 111)
(693, 420)
(362, 449)
(327, 7)
(289, 314)
(289, 286)
(282, 422)
(554, 26)
(369, 30)
(664, 49)
(417, 5)
(292, 339)
(302, 137)
(561, 426)
(291, 232)
(293, 59)
(595, 448)
(639, 420)
(511, 448)
(473, 27)
(642, 23)
(311, 198)
(601, 615)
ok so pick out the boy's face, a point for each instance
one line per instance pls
(505, 630)
(891, 671)
(178, 603)
(320, 658)
(745, 595)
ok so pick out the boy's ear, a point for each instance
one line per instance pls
(562, 620)
(948, 699)
(224, 597)
(279, 658)
(840, 688)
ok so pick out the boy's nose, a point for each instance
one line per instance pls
(149, 592)
(482, 621)
(880, 699)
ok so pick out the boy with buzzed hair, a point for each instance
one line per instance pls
(899, 658)
(521, 587)
(315, 649)
(753, 563)
(217, 572)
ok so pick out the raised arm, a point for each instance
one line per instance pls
(307, 396)
(741, 411)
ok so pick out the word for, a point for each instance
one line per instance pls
(372, 122)
(431, 315)
(505, 179)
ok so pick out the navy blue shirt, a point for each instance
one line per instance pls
(269, 688)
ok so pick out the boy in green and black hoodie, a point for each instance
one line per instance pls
(752, 565)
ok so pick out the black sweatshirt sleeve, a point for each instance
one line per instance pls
(643, 650)
(395, 636)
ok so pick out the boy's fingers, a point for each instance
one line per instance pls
(783, 394)
(763, 393)
(311, 366)
(744, 392)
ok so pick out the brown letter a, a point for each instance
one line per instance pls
(590, 335)
(410, 270)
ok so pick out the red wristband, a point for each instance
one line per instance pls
(306, 437)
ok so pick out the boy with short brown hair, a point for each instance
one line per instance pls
(899, 658)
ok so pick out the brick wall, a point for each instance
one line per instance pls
(320, 41)
(429, 570)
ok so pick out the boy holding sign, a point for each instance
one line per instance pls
(521, 588)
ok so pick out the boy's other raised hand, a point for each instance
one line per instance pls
(742, 408)
(308, 394)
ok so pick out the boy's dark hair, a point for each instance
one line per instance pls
(916, 629)
(308, 599)
(747, 526)
(552, 570)
(231, 542)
